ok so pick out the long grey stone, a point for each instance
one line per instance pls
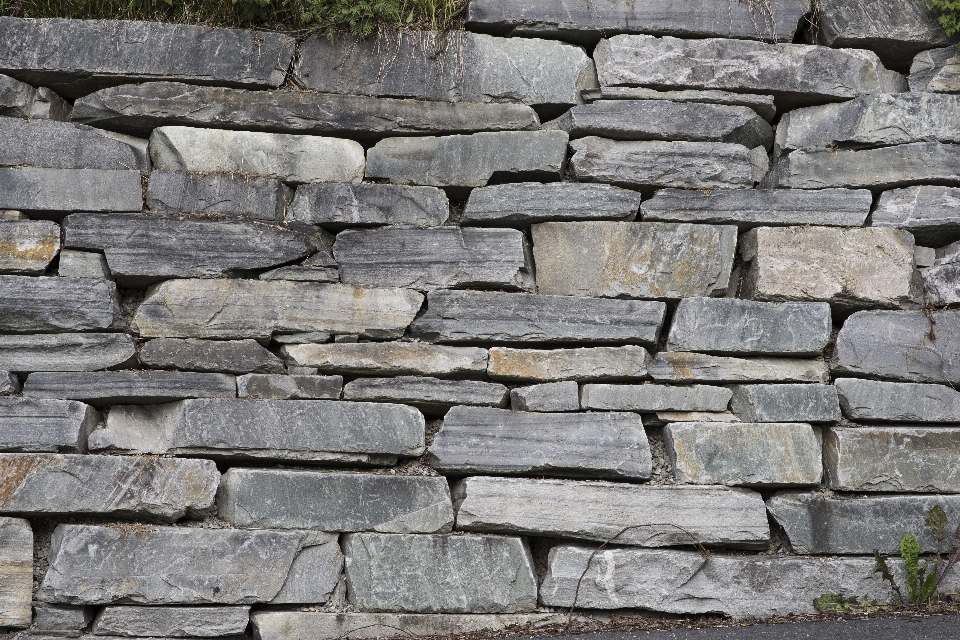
(266, 498)
(27, 247)
(897, 401)
(256, 309)
(33, 425)
(171, 622)
(744, 327)
(481, 316)
(745, 454)
(930, 213)
(438, 258)
(547, 397)
(45, 189)
(785, 403)
(62, 145)
(763, 105)
(138, 108)
(111, 52)
(158, 489)
(289, 387)
(303, 273)
(389, 358)
(455, 574)
(215, 356)
(432, 396)
(593, 363)
(307, 430)
(46, 304)
(936, 70)
(16, 569)
(20, 100)
(129, 387)
(225, 193)
(892, 459)
(339, 206)
(484, 440)
(650, 398)
(748, 208)
(653, 516)
(526, 203)
(680, 366)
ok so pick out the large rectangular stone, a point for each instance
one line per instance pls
(62, 145)
(171, 622)
(307, 430)
(786, 403)
(28, 247)
(217, 356)
(339, 206)
(432, 396)
(486, 316)
(650, 398)
(763, 105)
(129, 387)
(679, 366)
(897, 401)
(483, 440)
(595, 363)
(16, 571)
(258, 308)
(930, 213)
(747, 454)
(652, 516)
(229, 194)
(525, 203)
(57, 304)
(20, 100)
(454, 574)
(45, 189)
(33, 425)
(265, 498)
(936, 71)
(389, 359)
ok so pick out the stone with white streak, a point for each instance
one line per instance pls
(936, 71)
(931, 213)
(50, 304)
(546, 397)
(101, 388)
(230, 194)
(337, 206)
(595, 363)
(260, 386)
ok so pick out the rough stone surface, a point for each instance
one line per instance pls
(785, 403)
(667, 417)
(649, 398)
(52, 617)
(547, 397)
(897, 401)
(455, 574)
(936, 71)
(224, 356)
(298, 273)
(525, 203)
(315, 573)
(61, 145)
(483, 440)
(940, 285)
(16, 569)
(338, 206)
(20, 100)
(679, 366)
(172, 622)
(432, 396)
(129, 387)
(82, 264)
(45, 189)
(229, 194)
(596, 363)
(27, 247)
(763, 105)
(389, 359)
(289, 387)
(9, 383)
(34, 425)
(664, 516)
(57, 304)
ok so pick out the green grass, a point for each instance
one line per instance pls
(949, 14)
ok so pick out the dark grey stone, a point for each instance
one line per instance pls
(229, 194)
(20, 100)
(52, 617)
(650, 398)
(935, 71)
(315, 573)
(27, 247)
(65, 351)
(45, 189)
(786, 403)
(930, 213)
(763, 105)
(221, 356)
(546, 397)
(293, 387)
(525, 203)
(33, 426)
(339, 206)
(57, 304)
(62, 145)
(897, 401)
(171, 622)
(680, 366)
(432, 396)
(101, 388)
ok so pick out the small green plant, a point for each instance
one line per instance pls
(836, 603)
(949, 17)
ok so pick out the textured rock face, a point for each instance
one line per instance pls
(82, 264)
(228, 356)
(33, 425)
(479, 574)
(763, 105)
(399, 358)
(663, 516)
(130, 387)
(57, 304)
(697, 367)
(337, 206)
(936, 70)
(648, 398)
(226, 193)
(930, 213)
(432, 396)
(940, 284)
(172, 622)
(482, 440)
(289, 387)
(20, 100)
(45, 189)
(548, 397)
(315, 573)
(897, 401)
(597, 363)
(62, 145)
(9, 383)
(27, 247)
(526, 203)
(16, 569)
(786, 403)
(52, 617)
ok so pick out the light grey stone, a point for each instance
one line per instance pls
(256, 309)
(525, 203)
(389, 358)
(475, 316)
(785, 403)
(547, 397)
(924, 256)
(52, 617)
(43, 304)
(314, 575)
(20, 100)
(28, 246)
(82, 264)
(230, 194)
(222, 356)
(649, 398)
(897, 401)
(892, 459)
(299, 273)
(432, 396)
(293, 387)
(679, 366)
(455, 574)
(9, 383)
(930, 213)
(667, 417)
(16, 569)
(484, 440)
(594, 363)
(936, 71)
(301, 338)
(171, 622)
(763, 105)
(45, 189)
(338, 206)
(129, 387)
(940, 285)
(158, 489)
(62, 145)
(748, 454)
(65, 351)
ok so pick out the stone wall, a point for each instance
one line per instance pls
(386, 337)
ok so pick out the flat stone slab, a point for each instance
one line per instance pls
(666, 417)
(43, 304)
(432, 396)
(484, 440)
(653, 516)
(307, 430)
(20, 100)
(892, 459)
(16, 569)
(62, 145)
(389, 359)
(455, 574)
(748, 454)
(763, 105)
(336, 502)
(547, 397)
(129, 387)
(300, 273)
(679, 366)
(256, 309)
(744, 327)
(210, 356)
(748, 208)
(525, 203)
(786, 403)
(340, 206)
(27, 247)
(261, 386)
(936, 70)
(486, 316)
(33, 425)
(897, 401)
(171, 622)
(651, 398)
(82, 264)
(53, 617)
(230, 194)
(157, 489)
(595, 363)
(45, 189)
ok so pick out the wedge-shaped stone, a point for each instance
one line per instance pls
(111, 52)
(16, 569)
(663, 516)
(389, 358)
(432, 396)
(152, 488)
(547, 397)
(469, 161)
(28, 246)
(633, 259)
(273, 155)
(596, 363)
(850, 268)
(54, 617)
(678, 366)
(650, 398)
(265, 498)
(750, 454)
(760, 207)
(454, 574)
(897, 401)
(217, 356)
(892, 459)
(483, 440)
(57, 304)
(62, 145)
(44, 189)
(309, 430)
(283, 387)
(525, 203)
(82, 264)
(141, 108)
(438, 258)
(256, 309)
(795, 74)
(20, 100)
(785, 403)
(230, 194)
(936, 70)
(338, 206)
(763, 105)
(453, 66)
(171, 622)
(475, 316)
(34, 425)
(129, 387)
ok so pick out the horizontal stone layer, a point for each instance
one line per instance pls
(63, 145)
(266, 386)
(194, 354)
(678, 366)
(595, 363)
(32, 425)
(897, 401)
(46, 189)
(786, 403)
(171, 622)
(337, 205)
(525, 203)
(389, 358)
(547, 397)
(649, 398)
(129, 387)
(230, 194)
(763, 105)
(47, 304)
(432, 396)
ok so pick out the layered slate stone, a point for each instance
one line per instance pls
(61, 145)
(139, 108)
(256, 309)
(502, 442)
(45, 189)
(525, 203)
(850, 268)
(20, 100)
(596, 363)
(432, 396)
(118, 51)
(303, 273)
(308, 430)
(171, 622)
(743, 327)
(261, 386)
(389, 358)
(144, 249)
(16, 569)
(34, 425)
(547, 397)
(786, 403)
(53, 617)
(654, 516)
(650, 398)
(339, 206)
(9, 383)
(82, 264)
(750, 454)
(763, 105)
(936, 70)
(267, 498)
(214, 356)
(155, 489)
(680, 366)
(481, 316)
(129, 387)
(290, 158)
(438, 258)
(633, 259)
(28, 247)
(455, 574)
(230, 194)
(892, 459)
(897, 401)
(57, 304)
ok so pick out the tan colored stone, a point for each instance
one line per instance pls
(16, 572)
(597, 363)
(28, 246)
(389, 358)
(678, 366)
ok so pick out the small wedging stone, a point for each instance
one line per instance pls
(43, 304)
(785, 403)
(432, 396)
(9, 383)
(293, 387)
(213, 356)
(274, 155)
(488, 316)
(32, 425)
(62, 145)
(936, 71)
(101, 388)
(679, 366)
(52, 617)
(265, 498)
(748, 454)
(20, 100)
(454, 574)
(661, 516)
(897, 401)
(171, 622)
(82, 264)
(44, 189)
(484, 440)
(389, 359)
(339, 206)
(16, 571)
(230, 194)
(158, 489)
(65, 351)
(763, 105)
(27, 247)
(595, 363)
(650, 398)
(547, 397)
(930, 213)
(892, 459)
(525, 203)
